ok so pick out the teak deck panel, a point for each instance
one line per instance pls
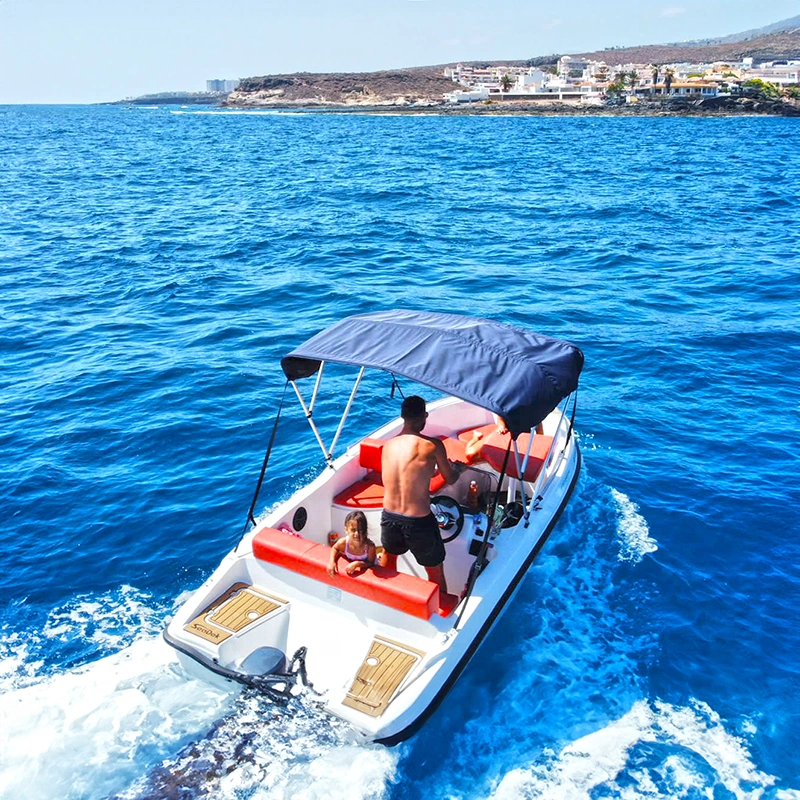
(375, 684)
(231, 612)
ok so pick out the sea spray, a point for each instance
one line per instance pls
(260, 750)
(655, 750)
(634, 535)
(98, 726)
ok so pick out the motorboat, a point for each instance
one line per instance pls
(382, 649)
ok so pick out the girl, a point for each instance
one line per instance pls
(355, 546)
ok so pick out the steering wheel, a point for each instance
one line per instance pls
(449, 515)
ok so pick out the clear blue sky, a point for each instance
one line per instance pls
(85, 51)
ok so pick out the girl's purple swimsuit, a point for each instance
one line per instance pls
(352, 556)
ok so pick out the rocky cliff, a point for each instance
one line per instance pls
(401, 87)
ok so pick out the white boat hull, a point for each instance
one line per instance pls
(419, 656)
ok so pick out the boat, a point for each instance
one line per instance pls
(382, 649)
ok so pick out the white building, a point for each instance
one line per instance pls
(221, 85)
(577, 69)
(468, 96)
(785, 74)
(690, 80)
(532, 79)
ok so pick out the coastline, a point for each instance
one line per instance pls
(716, 107)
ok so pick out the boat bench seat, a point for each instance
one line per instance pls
(368, 491)
(397, 590)
(496, 444)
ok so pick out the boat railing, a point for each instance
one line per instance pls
(561, 439)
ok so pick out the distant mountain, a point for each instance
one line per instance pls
(778, 46)
(791, 24)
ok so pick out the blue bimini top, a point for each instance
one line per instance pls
(515, 373)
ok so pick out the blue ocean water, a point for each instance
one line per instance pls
(154, 266)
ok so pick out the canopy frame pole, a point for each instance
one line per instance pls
(395, 386)
(313, 424)
(317, 383)
(347, 410)
(522, 467)
(521, 472)
(481, 561)
(541, 485)
(571, 428)
(528, 451)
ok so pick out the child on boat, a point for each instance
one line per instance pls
(355, 546)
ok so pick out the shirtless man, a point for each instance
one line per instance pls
(409, 462)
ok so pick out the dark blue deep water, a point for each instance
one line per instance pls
(154, 266)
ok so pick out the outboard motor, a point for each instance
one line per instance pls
(263, 661)
(266, 671)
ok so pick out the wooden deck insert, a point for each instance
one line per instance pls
(382, 671)
(231, 612)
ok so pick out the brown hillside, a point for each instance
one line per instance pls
(367, 88)
(772, 47)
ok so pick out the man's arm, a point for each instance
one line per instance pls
(450, 470)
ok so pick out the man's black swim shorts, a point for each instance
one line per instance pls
(420, 535)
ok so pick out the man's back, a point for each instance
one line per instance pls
(409, 461)
(407, 523)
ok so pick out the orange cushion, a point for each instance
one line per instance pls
(454, 448)
(370, 453)
(397, 590)
(447, 604)
(437, 482)
(283, 549)
(496, 444)
(368, 492)
(466, 435)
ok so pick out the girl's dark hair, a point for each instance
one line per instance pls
(360, 519)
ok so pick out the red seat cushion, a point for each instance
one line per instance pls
(447, 604)
(397, 590)
(495, 445)
(368, 492)
(485, 430)
(370, 453)
(454, 448)
(437, 482)
(283, 549)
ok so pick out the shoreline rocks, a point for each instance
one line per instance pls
(370, 103)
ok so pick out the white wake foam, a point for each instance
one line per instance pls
(264, 752)
(341, 772)
(34, 641)
(633, 532)
(134, 724)
(693, 754)
(89, 731)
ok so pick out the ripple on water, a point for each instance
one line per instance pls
(155, 266)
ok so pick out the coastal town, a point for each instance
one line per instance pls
(586, 81)
(757, 71)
